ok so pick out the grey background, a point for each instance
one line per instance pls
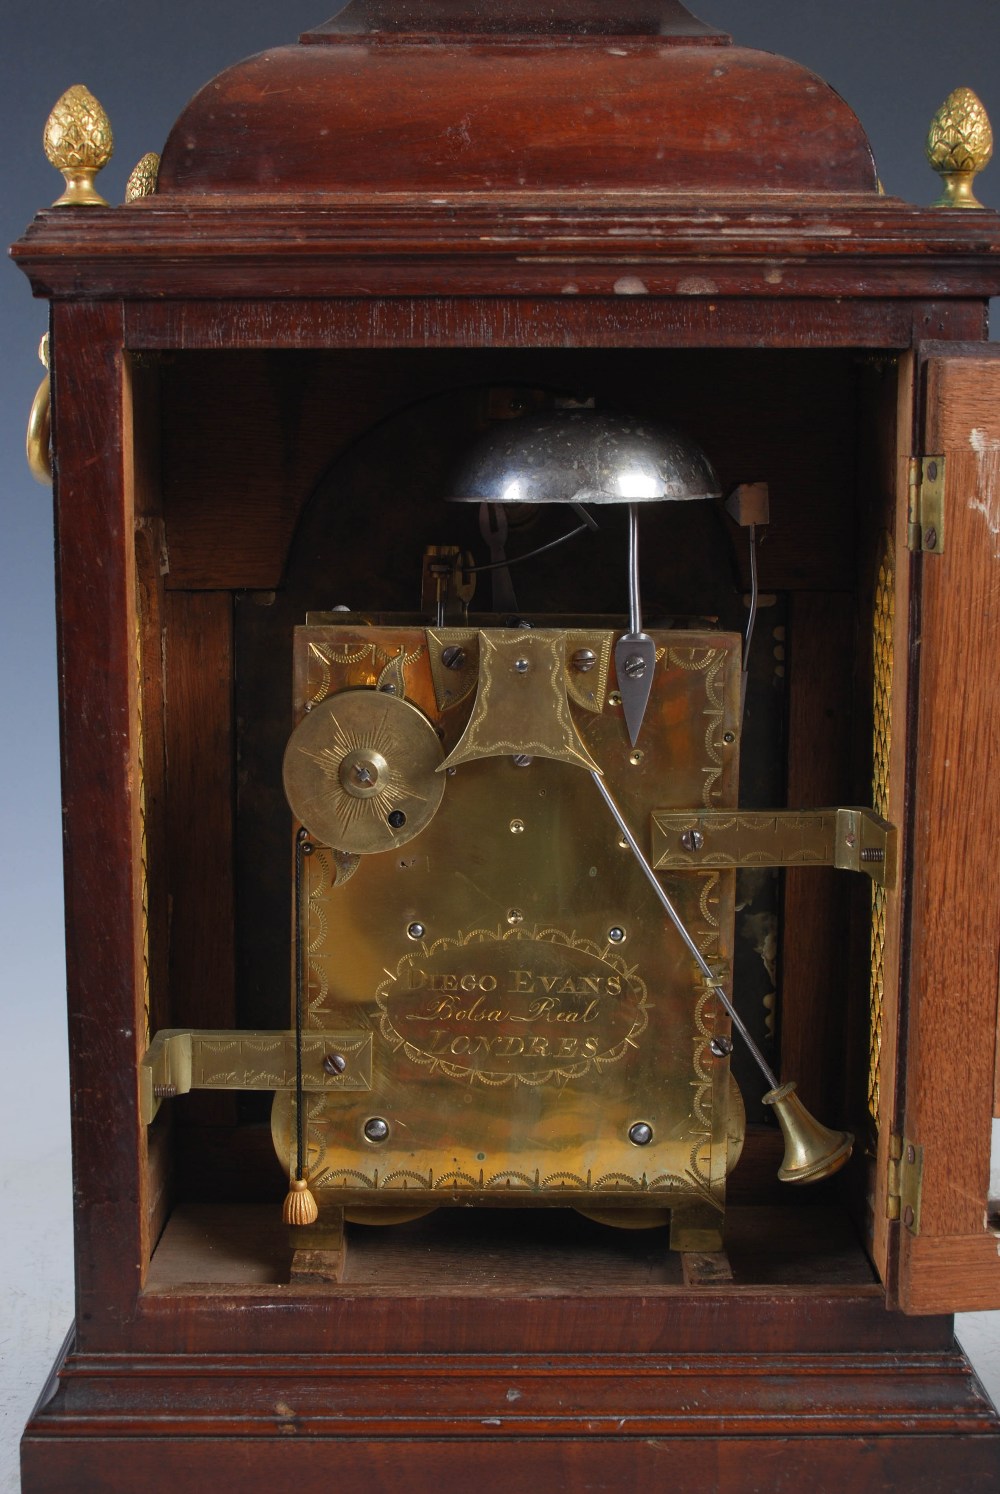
(893, 62)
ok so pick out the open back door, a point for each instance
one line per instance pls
(949, 1251)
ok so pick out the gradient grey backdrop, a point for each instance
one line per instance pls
(893, 62)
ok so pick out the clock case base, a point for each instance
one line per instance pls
(741, 1415)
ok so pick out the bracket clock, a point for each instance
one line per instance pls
(528, 616)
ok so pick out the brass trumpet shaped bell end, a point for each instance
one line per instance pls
(812, 1151)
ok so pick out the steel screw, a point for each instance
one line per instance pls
(930, 538)
(721, 1047)
(908, 1217)
(164, 1091)
(416, 931)
(521, 665)
(453, 657)
(692, 840)
(515, 916)
(616, 935)
(516, 827)
(376, 1129)
(584, 660)
(641, 1134)
(388, 689)
(334, 1063)
(729, 737)
(911, 1155)
(522, 760)
(635, 666)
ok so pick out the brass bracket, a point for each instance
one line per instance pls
(179, 1060)
(851, 839)
(445, 589)
(925, 533)
(906, 1176)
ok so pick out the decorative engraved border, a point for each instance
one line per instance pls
(711, 662)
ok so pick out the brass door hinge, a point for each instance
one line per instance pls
(906, 1175)
(926, 519)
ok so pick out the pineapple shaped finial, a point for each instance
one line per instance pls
(142, 180)
(78, 142)
(959, 146)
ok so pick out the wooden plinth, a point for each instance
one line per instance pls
(507, 1361)
(726, 1422)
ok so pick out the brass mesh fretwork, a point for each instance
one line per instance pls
(143, 852)
(885, 611)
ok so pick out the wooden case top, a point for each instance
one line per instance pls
(457, 96)
(482, 18)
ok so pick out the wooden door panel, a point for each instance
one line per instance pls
(952, 1261)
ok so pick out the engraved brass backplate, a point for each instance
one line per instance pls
(527, 1005)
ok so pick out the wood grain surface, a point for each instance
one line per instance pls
(955, 920)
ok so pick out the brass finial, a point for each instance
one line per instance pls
(959, 146)
(78, 142)
(142, 181)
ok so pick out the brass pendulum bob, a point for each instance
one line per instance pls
(812, 1151)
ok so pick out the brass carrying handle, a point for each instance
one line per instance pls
(38, 442)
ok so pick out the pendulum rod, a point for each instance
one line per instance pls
(678, 924)
(303, 848)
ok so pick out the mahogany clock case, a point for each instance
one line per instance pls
(267, 436)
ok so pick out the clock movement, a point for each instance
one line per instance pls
(526, 676)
